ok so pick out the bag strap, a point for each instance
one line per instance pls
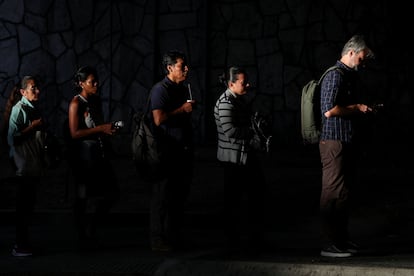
(334, 67)
(138, 116)
(149, 100)
(148, 104)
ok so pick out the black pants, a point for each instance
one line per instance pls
(244, 197)
(96, 187)
(169, 197)
(25, 203)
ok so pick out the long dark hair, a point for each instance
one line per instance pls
(14, 97)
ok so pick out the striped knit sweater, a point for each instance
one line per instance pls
(232, 117)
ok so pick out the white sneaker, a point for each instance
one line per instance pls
(335, 252)
(21, 252)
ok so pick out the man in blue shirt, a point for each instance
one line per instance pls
(171, 106)
(339, 107)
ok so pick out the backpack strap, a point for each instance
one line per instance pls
(148, 103)
(334, 67)
(149, 98)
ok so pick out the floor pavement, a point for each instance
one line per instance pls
(381, 222)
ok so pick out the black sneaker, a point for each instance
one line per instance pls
(334, 252)
(352, 247)
(160, 246)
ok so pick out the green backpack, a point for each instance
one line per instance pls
(311, 117)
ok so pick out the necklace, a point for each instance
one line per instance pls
(83, 98)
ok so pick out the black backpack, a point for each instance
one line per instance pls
(146, 152)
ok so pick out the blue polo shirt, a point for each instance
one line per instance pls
(168, 96)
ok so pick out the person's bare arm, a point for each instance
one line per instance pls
(35, 125)
(161, 116)
(347, 110)
(76, 132)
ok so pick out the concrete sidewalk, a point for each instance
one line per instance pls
(381, 222)
(124, 250)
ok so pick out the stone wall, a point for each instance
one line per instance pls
(283, 44)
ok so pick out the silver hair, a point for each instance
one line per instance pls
(357, 43)
(25, 80)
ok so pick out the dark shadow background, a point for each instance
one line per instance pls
(282, 43)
